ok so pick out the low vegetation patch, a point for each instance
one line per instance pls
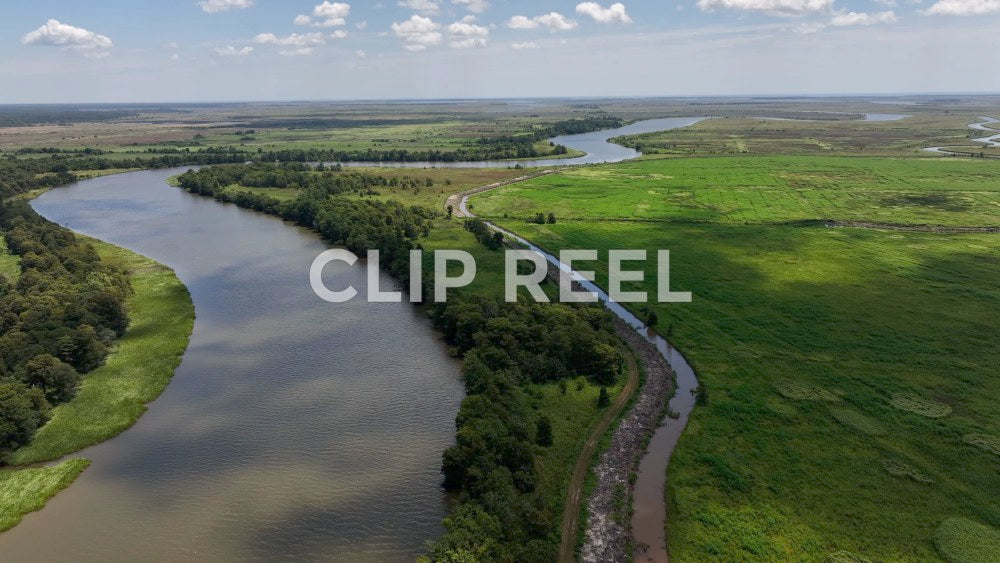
(26, 490)
(961, 540)
(858, 421)
(916, 404)
(799, 391)
(984, 441)
(897, 468)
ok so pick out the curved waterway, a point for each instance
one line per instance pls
(293, 428)
(596, 144)
(987, 124)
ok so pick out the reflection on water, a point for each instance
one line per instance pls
(292, 427)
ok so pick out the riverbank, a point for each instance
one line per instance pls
(26, 490)
(112, 397)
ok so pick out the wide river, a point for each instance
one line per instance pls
(292, 428)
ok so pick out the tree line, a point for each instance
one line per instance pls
(500, 515)
(57, 320)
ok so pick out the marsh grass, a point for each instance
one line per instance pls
(863, 315)
(112, 397)
(26, 490)
(10, 264)
(984, 441)
(858, 421)
(961, 540)
(911, 402)
(897, 468)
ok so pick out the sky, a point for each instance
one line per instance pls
(66, 51)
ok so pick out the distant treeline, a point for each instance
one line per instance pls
(500, 515)
(57, 320)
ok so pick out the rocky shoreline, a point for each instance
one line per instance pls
(608, 537)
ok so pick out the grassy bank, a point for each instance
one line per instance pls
(26, 490)
(847, 369)
(114, 396)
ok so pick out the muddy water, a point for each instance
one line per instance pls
(292, 428)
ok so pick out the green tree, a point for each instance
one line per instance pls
(603, 400)
(23, 410)
(543, 436)
(46, 372)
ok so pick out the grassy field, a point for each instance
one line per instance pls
(114, 396)
(26, 490)
(739, 190)
(756, 136)
(847, 370)
(10, 264)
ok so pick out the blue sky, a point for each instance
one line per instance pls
(217, 50)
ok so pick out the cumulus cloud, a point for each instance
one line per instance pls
(230, 51)
(213, 6)
(55, 33)
(418, 33)
(554, 21)
(808, 28)
(360, 54)
(614, 13)
(339, 34)
(466, 34)
(772, 7)
(843, 19)
(422, 6)
(525, 45)
(964, 8)
(327, 14)
(294, 44)
(474, 6)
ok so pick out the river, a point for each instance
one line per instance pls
(292, 427)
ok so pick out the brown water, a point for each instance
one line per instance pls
(292, 428)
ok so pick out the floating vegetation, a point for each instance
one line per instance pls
(961, 540)
(984, 441)
(804, 392)
(858, 421)
(918, 405)
(899, 469)
(844, 556)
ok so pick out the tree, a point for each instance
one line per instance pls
(23, 410)
(552, 218)
(46, 372)
(603, 400)
(451, 211)
(543, 436)
(652, 318)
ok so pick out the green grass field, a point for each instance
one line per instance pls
(114, 396)
(26, 490)
(10, 264)
(756, 136)
(829, 355)
(734, 190)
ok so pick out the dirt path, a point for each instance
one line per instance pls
(574, 493)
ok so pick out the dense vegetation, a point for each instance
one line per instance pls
(846, 369)
(57, 320)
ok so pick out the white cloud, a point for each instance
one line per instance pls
(887, 3)
(327, 14)
(175, 57)
(614, 13)
(213, 6)
(303, 42)
(554, 21)
(466, 34)
(525, 45)
(230, 51)
(422, 6)
(808, 28)
(772, 7)
(361, 25)
(57, 34)
(361, 54)
(301, 51)
(474, 6)
(417, 33)
(843, 19)
(338, 34)
(964, 8)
